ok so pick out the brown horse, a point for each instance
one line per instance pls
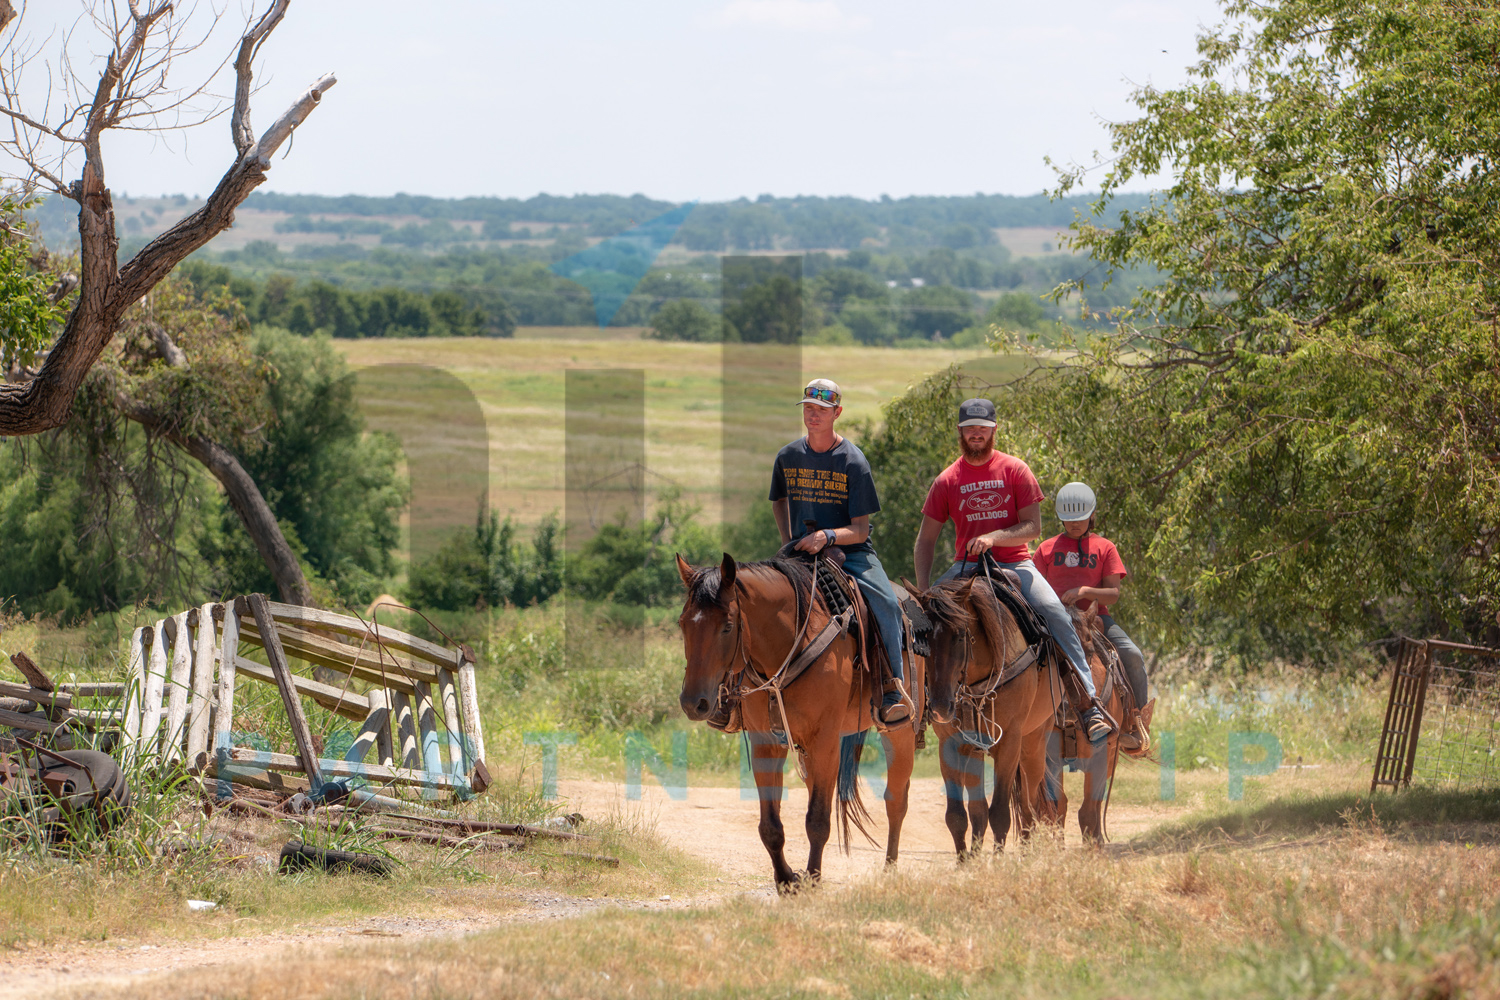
(977, 710)
(740, 625)
(1099, 765)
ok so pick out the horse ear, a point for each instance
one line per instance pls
(685, 571)
(727, 570)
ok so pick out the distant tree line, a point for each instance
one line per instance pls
(320, 307)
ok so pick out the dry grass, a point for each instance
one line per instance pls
(519, 384)
(1356, 913)
(230, 860)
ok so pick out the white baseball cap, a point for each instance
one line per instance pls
(822, 392)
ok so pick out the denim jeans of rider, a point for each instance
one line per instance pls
(876, 586)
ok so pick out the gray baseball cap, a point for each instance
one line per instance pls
(976, 413)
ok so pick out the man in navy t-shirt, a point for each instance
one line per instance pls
(825, 479)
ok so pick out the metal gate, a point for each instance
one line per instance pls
(1445, 696)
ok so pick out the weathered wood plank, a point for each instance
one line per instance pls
(448, 702)
(291, 614)
(285, 682)
(468, 702)
(204, 661)
(34, 674)
(38, 723)
(350, 704)
(406, 729)
(364, 664)
(285, 762)
(156, 682)
(130, 721)
(384, 752)
(94, 689)
(229, 647)
(431, 750)
(58, 700)
(179, 685)
(368, 737)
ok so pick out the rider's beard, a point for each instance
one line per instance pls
(977, 454)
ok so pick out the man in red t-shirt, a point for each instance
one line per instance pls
(995, 503)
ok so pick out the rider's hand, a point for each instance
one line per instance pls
(979, 545)
(1069, 597)
(813, 542)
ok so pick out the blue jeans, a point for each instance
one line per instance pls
(1040, 595)
(1131, 658)
(876, 586)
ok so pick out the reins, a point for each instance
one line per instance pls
(798, 658)
(979, 697)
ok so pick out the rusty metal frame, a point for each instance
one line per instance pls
(1396, 757)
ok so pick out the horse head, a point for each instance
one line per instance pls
(709, 624)
(962, 628)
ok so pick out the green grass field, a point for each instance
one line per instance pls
(519, 388)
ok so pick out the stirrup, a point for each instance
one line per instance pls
(895, 714)
(1096, 724)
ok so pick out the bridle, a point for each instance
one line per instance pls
(974, 703)
(740, 676)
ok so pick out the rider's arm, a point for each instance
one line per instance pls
(854, 533)
(1027, 527)
(783, 512)
(927, 538)
(1109, 593)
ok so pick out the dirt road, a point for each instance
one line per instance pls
(714, 824)
(719, 826)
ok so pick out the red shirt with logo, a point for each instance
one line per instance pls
(1082, 562)
(984, 498)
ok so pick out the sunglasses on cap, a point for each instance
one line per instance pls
(819, 393)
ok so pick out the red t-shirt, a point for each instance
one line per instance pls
(1083, 563)
(984, 498)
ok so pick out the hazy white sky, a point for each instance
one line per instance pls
(676, 99)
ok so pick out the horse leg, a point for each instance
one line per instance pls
(767, 761)
(1033, 773)
(1007, 755)
(957, 776)
(822, 788)
(900, 756)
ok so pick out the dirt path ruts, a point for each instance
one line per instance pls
(714, 824)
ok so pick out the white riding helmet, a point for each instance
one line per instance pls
(1075, 502)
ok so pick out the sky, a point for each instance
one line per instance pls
(676, 99)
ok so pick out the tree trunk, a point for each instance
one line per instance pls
(256, 514)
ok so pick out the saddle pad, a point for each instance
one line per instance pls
(1033, 626)
(921, 625)
(831, 586)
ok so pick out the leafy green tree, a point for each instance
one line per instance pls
(488, 567)
(1296, 429)
(685, 319)
(1016, 311)
(936, 309)
(334, 489)
(636, 563)
(766, 312)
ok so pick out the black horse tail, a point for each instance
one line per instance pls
(851, 805)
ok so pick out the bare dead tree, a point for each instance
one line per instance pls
(131, 92)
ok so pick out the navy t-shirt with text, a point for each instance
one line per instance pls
(831, 488)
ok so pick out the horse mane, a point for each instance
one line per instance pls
(945, 607)
(704, 594)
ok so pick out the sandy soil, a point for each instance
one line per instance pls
(720, 827)
(714, 824)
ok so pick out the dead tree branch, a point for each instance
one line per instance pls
(105, 291)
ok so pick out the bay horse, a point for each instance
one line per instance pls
(1098, 768)
(743, 622)
(978, 710)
